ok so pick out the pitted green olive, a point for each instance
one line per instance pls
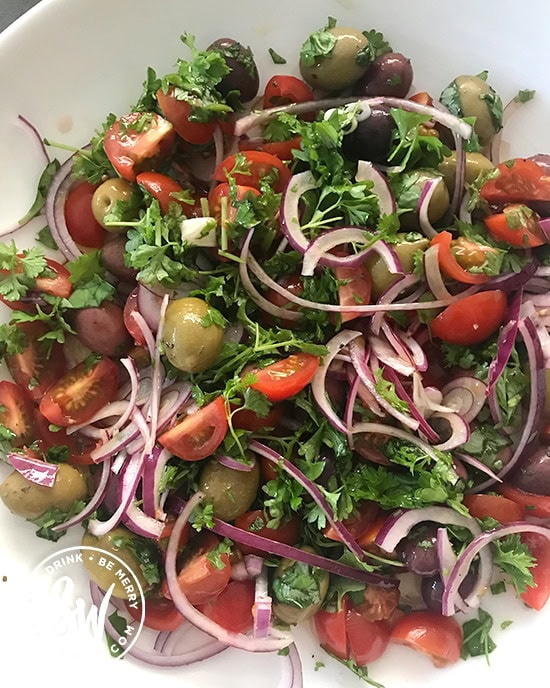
(105, 198)
(475, 164)
(381, 277)
(29, 500)
(342, 66)
(231, 492)
(103, 571)
(192, 340)
(298, 590)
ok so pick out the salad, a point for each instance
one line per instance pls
(293, 358)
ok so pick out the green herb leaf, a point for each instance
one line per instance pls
(277, 59)
(43, 185)
(318, 44)
(476, 636)
(53, 517)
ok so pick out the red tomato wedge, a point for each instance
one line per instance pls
(160, 613)
(472, 319)
(283, 89)
(330, 628)
(80, 220)
(287, 377)
(16, 414)
(439, 637)
(136, 141)
(162, 187)
(232, 608)
(537, 596)
(280, 149)
(198, 435)
(256, 166)
(81, 392)
(177, 112)
(519, 181)
(80, 447)
(357, 289)
(518, 226)
(534, 505)
(502, 509)
(449, 264)
(368, 640)
(55, 281)
(256, 522)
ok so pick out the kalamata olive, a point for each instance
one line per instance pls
(419, 550)
(102, 329)
(192, 340)
(342, 66)
(30, 500)
(231, 492)
(439, 202)
(471, 96)
(533, 474)
(114, 542)
(433, 588)
(475, 164)
(371, 139)
(293, 604)
(389, 75)
(112, 257)
(105, 198)
(243, 76)
(381, 277)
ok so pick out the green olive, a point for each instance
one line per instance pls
(475, 164)
(30, 500)
(477, 99)
(231, 492)
(340, 68)
(104, 574)
(381, 277)
(439, 202)
(192, 341)
(106, 197)
(298, 590)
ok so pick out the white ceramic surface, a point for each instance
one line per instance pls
(65, 65)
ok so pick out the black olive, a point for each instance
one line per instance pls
(243, 76)
(371, 139)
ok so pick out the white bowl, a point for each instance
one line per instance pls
(64, 66)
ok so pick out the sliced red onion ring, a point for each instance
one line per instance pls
(34, 470)
(506, 341)
(422, 208)
(396, 341)
(416, 352)
(262, 609)
(157, 379)
(133, 373)
(290, 209)
(217, 137)
(465, 395)
(364, 395)
(460, 177)
(316, 252)
(152, 474)
(432, 271)
(367, 172)
(478, 546)
(146, 332)
(423, 424)
(95, 501)
(149, 305)
(234, 464)
(464, 215)
(389, 296)
(55, 211)
(460, 431)
(447, 560)
(476, 463)
(243, 642)
(140, 523)
(312, 489)
(254, 565)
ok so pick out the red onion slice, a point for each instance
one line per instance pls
(460, 431)
(423, 206)
(140, 523)
(432, 272)
(290, 209)
(254, 565)
(149, 305)
(262, 609)
(389, 296)
(316, 251)
(506, 341)
(34, 470)
(234, 464)
(55, 211)
(367, 172)
(465, 395)
(423, 424)
(447, 561)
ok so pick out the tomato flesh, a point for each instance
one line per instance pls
(177, 112)
(198, 435)
(538, 595)
(502, 509)
(256, 522)
(449, 264)
(80, 447)
(280, 149)
(258, 164)
(368, 640)
(81, 392)
(283, 89)
(519, 181)
(162, 187)
(439, 637)
(79, 218)
(518, 226)
(287, 377)
(330, 628)
(357, 289)
(161, 613)
(472, 319)
(232, 608)
(16, 413)
(534, 505)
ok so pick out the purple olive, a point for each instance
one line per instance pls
(533, 474)
(112, 257)
(419, 550)
(433, 588)
(243, 75)
(102, 329)
(389, 75)
(372, 137)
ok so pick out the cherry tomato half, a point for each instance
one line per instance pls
(519, 181)
(280, 149)
(287, 377)
(330, 628)
(198, 435)
(283, 89)
(136, 141)
(177, 112)
(232, 608)
(517, 225)
(538, 595)
(162, 187)
(80, 220)
(256, 522)
(55, 281)
(472, 319)
(439, 637)
(80, 447)
(256, 165)
(449, 264)
(534, 505)
(16, 413)
(502, 509)
(81, 392)
(161, 613)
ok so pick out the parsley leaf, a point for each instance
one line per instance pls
(277, 59)
(524, 96)
(19, 270)
(476, 636)
(377, 44)
(45, 238)
(298, 585)
(53, 517)
(43, 185)
(513, 557)
(318, 44)
(214, 556)
(411, 147)
(147, 554)
(93, 164)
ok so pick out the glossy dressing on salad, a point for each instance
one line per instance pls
(292, 360)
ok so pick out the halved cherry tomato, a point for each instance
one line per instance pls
(449, 264)
(79, 218)
(131, 307)
(294, 284)
(58, 284)
(357, 289)
(221, 191)
(256, 522)
(167, 531)
(358, 524)
(232, 608)
(198, 435)
(81, 392)
(330, 628)
(280, 149)
(199, 579)
(16, 413)
(177, 112)
(80, 447)
(258, 164)
(500, 508)
(534, 505)
(161, 613)
(287, 377)
(136, 141)
(162, 187)
(472, 319)
(519, 181)
(538, 595)
(368, 640)
(248, 420)
(439, 637)
(517, 225)
(283, 89)
(39, 364)
(422, 97)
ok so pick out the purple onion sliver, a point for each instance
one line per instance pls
(401, 392)
(234, 464)
(34, 470)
